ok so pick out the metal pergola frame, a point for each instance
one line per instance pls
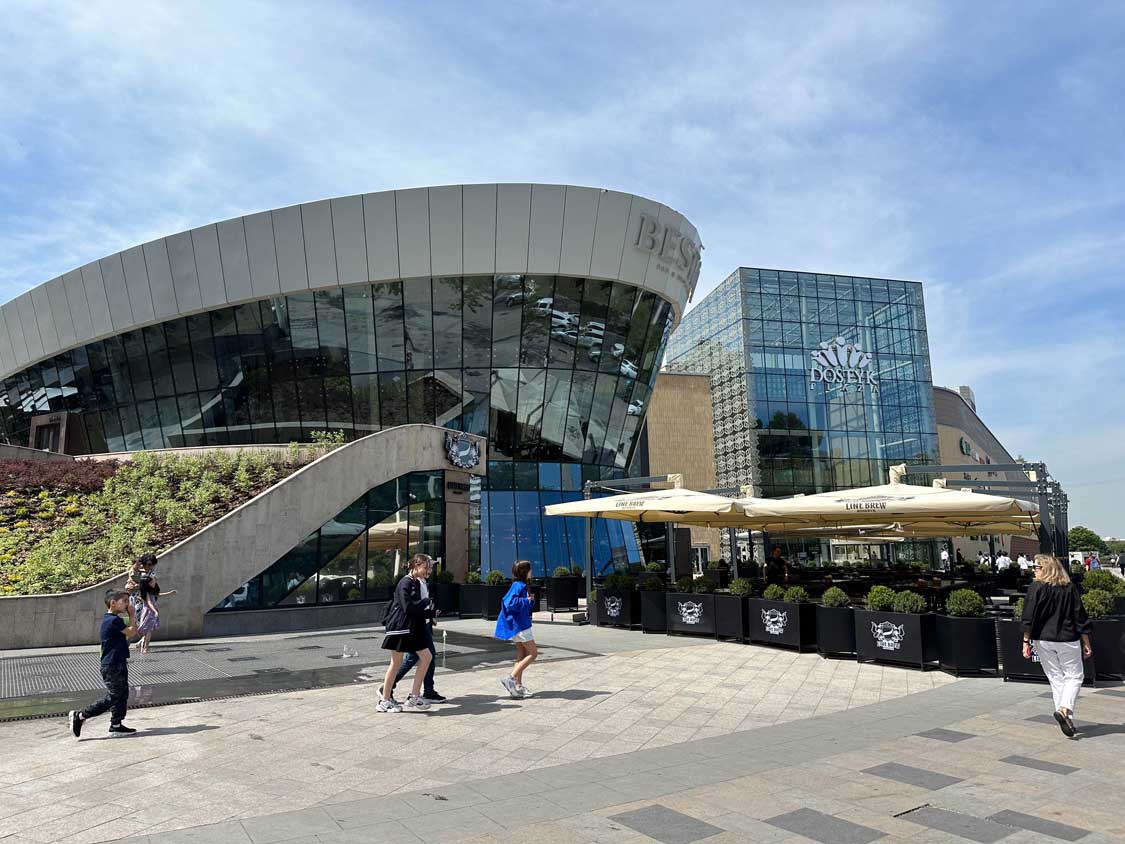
(1047, 493)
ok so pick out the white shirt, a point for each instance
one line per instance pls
(1023, 562)
(1003, 561)
(945, 556)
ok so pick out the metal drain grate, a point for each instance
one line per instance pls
(40, 675)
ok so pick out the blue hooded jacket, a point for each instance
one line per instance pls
(515, 612)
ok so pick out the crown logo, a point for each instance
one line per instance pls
(838, 352)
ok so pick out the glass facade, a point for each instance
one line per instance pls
(786, 430)
(354, 556)
(553, 370)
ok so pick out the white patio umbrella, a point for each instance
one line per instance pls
(895, 503)
(682, 506)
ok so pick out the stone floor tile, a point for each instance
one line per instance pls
(1063, 832)
(269, 829)
(920, 777)
(1040, 765)
(826, 829)
(666, 825)
(965, 826)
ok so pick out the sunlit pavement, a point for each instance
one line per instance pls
(628, 738)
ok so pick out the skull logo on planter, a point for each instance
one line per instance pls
(612, 606)
(775, 621)
(888, 636)
(690, 611)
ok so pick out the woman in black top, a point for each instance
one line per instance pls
(1054, 622)
(407, 616)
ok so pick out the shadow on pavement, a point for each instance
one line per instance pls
(158, 731)
(567, 694)
(1096, 730)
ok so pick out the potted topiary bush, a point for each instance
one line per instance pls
(691, 608)
(1108, 635)
(1110, 583)
(895, 628)
(445, 592)
(563, 589)
(784, 618)
(966, 639)
(472, 596)
(618, 603)
(654, 607)
(495, 588)
(835, 624)
(732, 618)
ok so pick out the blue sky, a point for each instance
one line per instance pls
(973, 147)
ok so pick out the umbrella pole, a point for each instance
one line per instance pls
(589, 564)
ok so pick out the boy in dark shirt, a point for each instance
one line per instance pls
(115, 669)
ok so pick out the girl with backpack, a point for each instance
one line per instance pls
(407, 616)
(514, 625)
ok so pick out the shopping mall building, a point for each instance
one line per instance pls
(533, 316)
(818, 383)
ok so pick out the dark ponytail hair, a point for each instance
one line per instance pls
(522, 570)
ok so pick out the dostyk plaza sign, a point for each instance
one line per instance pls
(843, 365)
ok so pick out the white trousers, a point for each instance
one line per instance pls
(1062, 663)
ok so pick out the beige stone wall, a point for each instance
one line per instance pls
(681, 438)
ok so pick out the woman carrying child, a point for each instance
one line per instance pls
(514, 625)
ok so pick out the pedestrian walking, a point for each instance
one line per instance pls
(514, 625)
(147, 596)
(1056, 627)
(944, 558)
(406, 622)
(429, 693)
(115, 635)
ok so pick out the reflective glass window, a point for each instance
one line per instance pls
(307, 361)
(476, 391)
(360, 322)
(138, 365)
(418, 321)
(504, 433)
(507, 319)
(529, 415)
(386, 300)
(537, 306)
(191, 420)
(338, 404)
(365, 402)
(565, 313)
(332, 331)
(447, 322)
(477, 321)
(287, 414)
(392, 399)
(203, 348)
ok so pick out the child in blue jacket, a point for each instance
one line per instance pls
(514, 625)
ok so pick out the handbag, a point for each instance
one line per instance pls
(395, 622)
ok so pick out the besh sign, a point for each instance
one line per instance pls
(676, 253)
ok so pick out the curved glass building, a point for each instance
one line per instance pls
(533, 315)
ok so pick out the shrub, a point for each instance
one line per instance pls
(472, 577)
(618, 582)
(327, 438)
(685, 583)
(561, 571)
(796, 595)
(496, 578)
(1018, 608)
(965, 603)
(657, 568)
(443, 576)
(717, 564)
(591, 597)
(774, 592)
(1098, 603)
(1105, 581)
(652, 583)
(880, 599)
(984, 568)
(380, 580)
(909, 602)
(742, 586)
(834, 596)
(577, 571)
(705, 585)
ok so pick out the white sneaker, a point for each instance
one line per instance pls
(415, 702)
(509, 683)
(388, 705)
(524, 691)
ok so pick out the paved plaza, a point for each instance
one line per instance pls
(630, 738)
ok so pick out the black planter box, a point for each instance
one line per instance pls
(1015, 667)
(835, 631)
(1108, 640)
(690, 613)
(720, 576)
(783, 624)
(619, 608)
(654, 612)
(446, 596)
(966, 645)
(471, 600)
(563, 592)
(895, 637)
(1119, 604)
(591, 612)
(732, 618)
(493, 598)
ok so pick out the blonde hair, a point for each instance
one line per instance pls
(1050, 571)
